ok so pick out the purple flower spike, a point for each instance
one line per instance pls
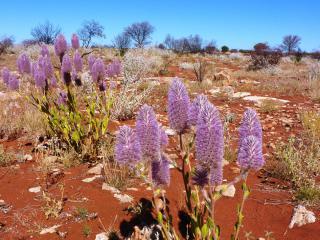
(91, 60)
(160, 171)
(250, 153)
(66, 69)
(45, 64)
(148, 132)
(250, 125)
(178, 106)
(39, 76)
(196, 106)
(24, 64)
(114, 68)
(54, 82)
(75, 41)
(127, 148)
(6, 75)
(13, 82)
(77, 61)
(164, 140)
(60, 46)
(98, 70)
(44, 50)
(209, 143)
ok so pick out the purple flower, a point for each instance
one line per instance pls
(45, 65)
(160, 171)
(44, 50)
(66, 69)
(250, 125)
(91, 60)
(75, 41)
(250, 153)
(164, 140)
(6, 75)
(114, 68)
(77, 61)
(62, 99)
(178, 106)
(127, 147)
(60, 46)
(195, 107)
(39, 76)
(209, 143)
(148, 132)
(13, 83)
(54, 82)
(98, 70)
(24, 65)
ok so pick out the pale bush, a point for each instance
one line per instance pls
(314, 81)
(128, 99)
(238, 56)
(135, 66)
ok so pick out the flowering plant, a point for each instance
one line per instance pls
(202, 182)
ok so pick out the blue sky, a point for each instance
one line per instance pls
(236, 23)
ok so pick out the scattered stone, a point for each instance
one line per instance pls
(96, 169)
(62, 234)
(259, 99)
(54, 176)
(123, 198)
(226, 191)
(106, 187)
(35, 189)
(52, 229)
(91, 179)
(301, 216)
(241, 94)
(102, 236)
(170, 132)
(27, 157)
(4, 207)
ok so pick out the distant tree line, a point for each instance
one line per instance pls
(139, 35)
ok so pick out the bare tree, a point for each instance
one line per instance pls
(122, 42)
(90, 29)
(5, 44)
(45, 33)
(290, 43)
(140, 33)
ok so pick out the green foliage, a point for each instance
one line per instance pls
(80, 123)
(224, 49)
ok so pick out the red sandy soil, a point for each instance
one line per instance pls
(269, 208)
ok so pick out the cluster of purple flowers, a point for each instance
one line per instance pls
(146, 144)
(42, 72)
(113, 69)
(24, 64)
(75, 41)
(149, 141)
(60, 46)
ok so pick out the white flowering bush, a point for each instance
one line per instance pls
(135, 66)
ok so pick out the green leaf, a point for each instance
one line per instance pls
(75, 136)
(204, 231)
(160, 218)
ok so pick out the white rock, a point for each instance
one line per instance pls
(102, 236)
(91, 179)
(123, 198)
(52, 229)
(106, 187)
(259, 99)
(228, 192)
(170, 132)
(35, 189)
(96, 169)
(301, 216)
(27, 157)
(241, 94)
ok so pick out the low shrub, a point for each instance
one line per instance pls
(262, 60)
